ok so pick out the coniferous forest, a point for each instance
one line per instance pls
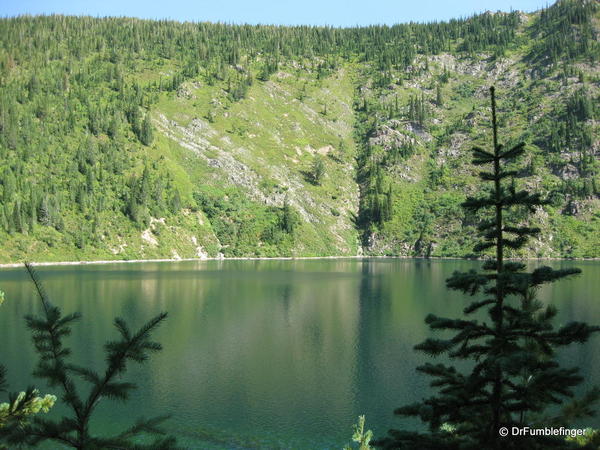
(124, 138)
(131, 139)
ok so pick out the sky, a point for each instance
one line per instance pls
(280, 12)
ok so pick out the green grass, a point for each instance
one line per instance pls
(257, 153)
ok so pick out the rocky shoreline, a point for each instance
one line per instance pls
(257, 258)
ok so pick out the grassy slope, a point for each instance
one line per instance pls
(443, 150)
(261, 148)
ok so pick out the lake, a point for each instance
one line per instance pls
(270, 353)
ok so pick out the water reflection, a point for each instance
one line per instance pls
(276, 353)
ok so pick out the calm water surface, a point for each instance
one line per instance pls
(267, 354)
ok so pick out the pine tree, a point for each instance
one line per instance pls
(9, 182)
(513, 374)
(175, 202)
(32, 209)
(318, 169)
(10, 225)
(389, 205)
(143, 187)
(289, 219)
(43, 212)
(113, 126)
(31, 219)
(3, 221)
(49, 331)
(20, 407)
(146, 135)
(17, 219)
(438, 96)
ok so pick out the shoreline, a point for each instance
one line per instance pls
(275, 258)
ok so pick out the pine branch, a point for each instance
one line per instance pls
(521, 231)
(490, 176)
(435, 347)
(513, 267)
(135, 348)
(514, 152)
(442, 323)
(477, 305)
(574, 332)
(547, 274)
(515, 244)
(476, 203)
(47, 334)
(468, 282)
(577, 409)
(144, 425)
(483, 155)
(481, 246)
(41, 430)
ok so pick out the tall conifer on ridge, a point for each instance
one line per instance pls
(513, 376)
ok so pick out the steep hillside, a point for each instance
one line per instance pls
(122, 138)
(249, 161)
(423, 121)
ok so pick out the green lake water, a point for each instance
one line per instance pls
(272, 353)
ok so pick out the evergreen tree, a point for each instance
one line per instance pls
(513, 374)
(43, 212)
(175, 202)
(360, 436)
(318, 169)
(3, 220)
(289, 218)
(49, 331)
(20, 407)
(445, 76)
(10, 226)
(31, 219)
(133, 116)
(9, 182)
(33, 200)
(113, 126)
(17, 219)
(143, 187)
(388, 204)
(146, 135)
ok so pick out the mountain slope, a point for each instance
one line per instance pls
(123, 138)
